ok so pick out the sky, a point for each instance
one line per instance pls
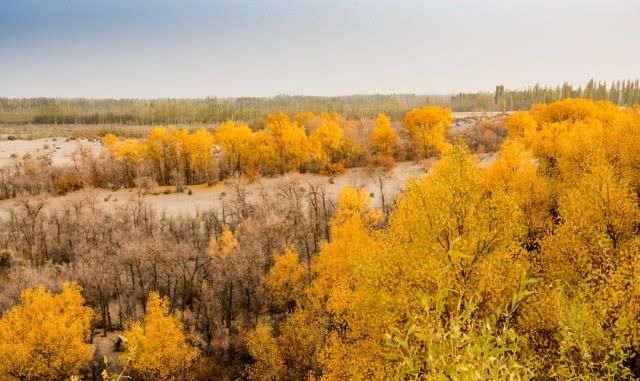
(191, 48)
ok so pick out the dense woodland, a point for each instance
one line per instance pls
(527, 269)
(214, 110)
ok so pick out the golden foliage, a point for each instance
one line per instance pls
(43, 338)
(264, 347)
(327, 139)
(225, 246)
(599, 218)
(521, 123)
(289, 355)
(157, 348)
(526, 268)
(236, 142)
(383, 137)
(515, 172)
(284, 284)
(367, 281)
(427, 127)
(291, 145)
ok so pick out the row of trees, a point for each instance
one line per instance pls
(320, 143)
(201, 111)
(214, 110)
(323, 143)
(623, 93)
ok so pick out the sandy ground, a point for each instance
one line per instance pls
(61, 149)
(204, 198)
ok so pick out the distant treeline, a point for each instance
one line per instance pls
(213, 110)
(623, 93)
(199, 111)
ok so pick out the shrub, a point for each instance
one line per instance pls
(66, 183)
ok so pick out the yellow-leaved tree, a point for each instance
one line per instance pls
(565, 136)
(264, 152)
(521, 123)
(326, 140)
(284, 284)
(130, 151)
(427, 126)
(516, 172)
(163, 150)
(44, 337)
(265, 349)
(236, 142)
(290, 143)
(157, 348)
(199, 150)
(600, 216)
(110, 141)
(383, 137)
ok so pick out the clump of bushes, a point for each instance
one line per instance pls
(67, 182)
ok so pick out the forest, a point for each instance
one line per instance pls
(524, 268)
(213, 110)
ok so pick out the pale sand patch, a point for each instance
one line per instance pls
(205, 198)
(62, 149)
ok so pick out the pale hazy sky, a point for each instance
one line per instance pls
(188, 48)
